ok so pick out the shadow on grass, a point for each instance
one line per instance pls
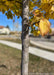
(3, 66)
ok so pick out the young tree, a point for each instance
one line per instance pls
(25, 37)
(37, 17)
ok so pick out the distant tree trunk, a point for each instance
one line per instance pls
(25, 38)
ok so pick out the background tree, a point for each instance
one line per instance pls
(8, 27)
(13, 23)
(16, 26)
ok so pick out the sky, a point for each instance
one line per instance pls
(4, 22)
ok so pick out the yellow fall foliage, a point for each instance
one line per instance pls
(44, 26)
(46, 1)
(52, 8)
(45, 10)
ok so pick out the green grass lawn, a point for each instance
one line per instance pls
(10, 62)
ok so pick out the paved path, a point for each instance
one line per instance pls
(43, 43)
(35, 51)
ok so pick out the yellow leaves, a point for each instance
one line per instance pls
(36, 12)
(36, 33)
(43, 1)
(52, 8)
(50, 30)
(7, 3)
(4, 0)
(47, 7)
(37, 24)
(31, 5)
(46, 1)
(13, 5)
(9, 14)
(44, 26)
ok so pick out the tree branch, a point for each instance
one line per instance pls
(34, 10)
(34, 23)
(18, 2)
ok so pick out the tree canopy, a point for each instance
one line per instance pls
(14, 7)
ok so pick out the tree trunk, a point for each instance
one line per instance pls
(25, 38)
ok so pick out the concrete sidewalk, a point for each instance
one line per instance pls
(35, 51)
(43, 44)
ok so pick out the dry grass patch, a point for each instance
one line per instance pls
(10, 62)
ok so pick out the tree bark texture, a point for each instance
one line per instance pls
(25, 38)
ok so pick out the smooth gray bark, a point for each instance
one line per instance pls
(25, 38)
